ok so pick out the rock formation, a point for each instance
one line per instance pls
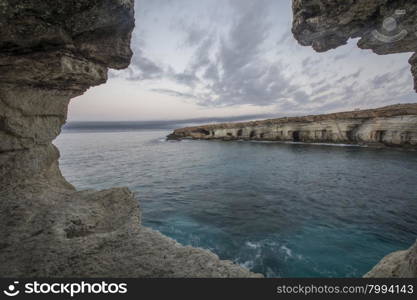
(398, 264)
(390, 126)
(385, 27)
(50, 52)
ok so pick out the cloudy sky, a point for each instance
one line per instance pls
(221, 58)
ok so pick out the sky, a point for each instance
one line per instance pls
(231, 58)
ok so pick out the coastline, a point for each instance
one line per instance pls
(391, 126)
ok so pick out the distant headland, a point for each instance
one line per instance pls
(394, 125)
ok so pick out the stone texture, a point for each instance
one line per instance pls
(59, 232)
(388, 126)
(328, 24)
(400, 264)
(50, 52)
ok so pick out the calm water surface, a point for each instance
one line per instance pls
(286, 210)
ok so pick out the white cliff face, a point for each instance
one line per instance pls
(395, 131)
(398, 128)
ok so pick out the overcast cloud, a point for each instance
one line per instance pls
(240, 53)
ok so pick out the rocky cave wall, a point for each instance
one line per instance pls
(383, 26)
(50, 52)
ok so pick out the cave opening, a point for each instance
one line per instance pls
(350, 135)
(240, 132)
(252, 134)
(324, 135)
(405, 137)
(296, 136)
(380, 135)
(204, 131)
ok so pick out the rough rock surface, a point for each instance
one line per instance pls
(398, 264)
(385, 27)
(388, 126)
(50, 52)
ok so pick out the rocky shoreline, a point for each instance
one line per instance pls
(394, 126)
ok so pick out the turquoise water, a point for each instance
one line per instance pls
(285, 210)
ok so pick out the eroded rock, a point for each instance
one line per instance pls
(50, 52)
(400, 264)
(383, 26)
(394, 125)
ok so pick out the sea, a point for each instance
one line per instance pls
(280, 209)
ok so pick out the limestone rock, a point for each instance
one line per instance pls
(413, 63)
(55, 231)
(394, 125)
(384, 26)
(50, 52)
(400, 264)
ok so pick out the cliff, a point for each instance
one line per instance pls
(50, 52)
(391, 126)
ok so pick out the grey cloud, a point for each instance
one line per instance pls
(309, 66)
(212, 73)
(284, 38)
(381, 80)
(195, 36)
(174, 93)
(193, 33)
(186, 78)
(230, 67)
(310, 62)
(238, 73)
(143, 68)
(348, 77)
(323, 89)
(341, 56)
(315, 84)
(391, 79)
